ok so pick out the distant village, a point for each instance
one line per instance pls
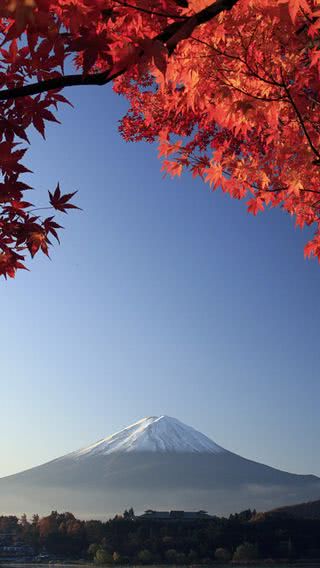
(12, 550)
(174, 516)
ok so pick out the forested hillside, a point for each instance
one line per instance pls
(310, 510)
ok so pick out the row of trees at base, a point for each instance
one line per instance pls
(126, 539)
(243, 553)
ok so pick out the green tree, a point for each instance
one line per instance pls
(93, 549)
(291, 549)
(102, 557)
(23, 520)
(181, 558)
(35, 520)
(145, 556)
(167, 541)
(171, 555)
(246, 551)
(128, 514)
(116, 557)
(222, 555)
(192, 556)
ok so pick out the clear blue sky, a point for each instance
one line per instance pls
(164, 298)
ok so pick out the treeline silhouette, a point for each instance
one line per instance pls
(126, 539)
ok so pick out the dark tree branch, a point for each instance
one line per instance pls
(59, 83)
(152, 12)
(300, 118)
(173, 34)
(259, 98)
(273, 190)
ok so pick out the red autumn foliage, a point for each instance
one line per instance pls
(229, 89)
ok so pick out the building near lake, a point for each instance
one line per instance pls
(151, 515)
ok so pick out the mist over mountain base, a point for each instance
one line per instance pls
(104, 485)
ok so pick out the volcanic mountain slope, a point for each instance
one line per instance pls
(158, 463)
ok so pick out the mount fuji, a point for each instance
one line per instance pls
(153, 434)
(158, 463)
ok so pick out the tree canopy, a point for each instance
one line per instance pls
(229, 89)
(123, 541)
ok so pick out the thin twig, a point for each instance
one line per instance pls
(299, 117)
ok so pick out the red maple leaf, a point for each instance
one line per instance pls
(60, 201)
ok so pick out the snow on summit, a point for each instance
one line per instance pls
(153, 434)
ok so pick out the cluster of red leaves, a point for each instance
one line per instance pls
(229, 88)
(22, 231)
(239, 105)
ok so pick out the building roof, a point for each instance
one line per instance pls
(174, 515)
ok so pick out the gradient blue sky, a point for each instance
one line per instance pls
(164, 298)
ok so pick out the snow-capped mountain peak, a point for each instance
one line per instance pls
(153, 434)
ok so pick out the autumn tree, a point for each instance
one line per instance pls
(229, 89)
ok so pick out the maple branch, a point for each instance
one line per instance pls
(279, 189)
(300, 119)
(257, 97)
(312, 99)
(258, 189)
(228, 55)
(175, 32)
(153, 13)
(272, 82)
(40, 209)
(75, 80)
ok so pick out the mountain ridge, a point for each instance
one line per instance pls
(158, 463)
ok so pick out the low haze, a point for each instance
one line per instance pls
(163, 298)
